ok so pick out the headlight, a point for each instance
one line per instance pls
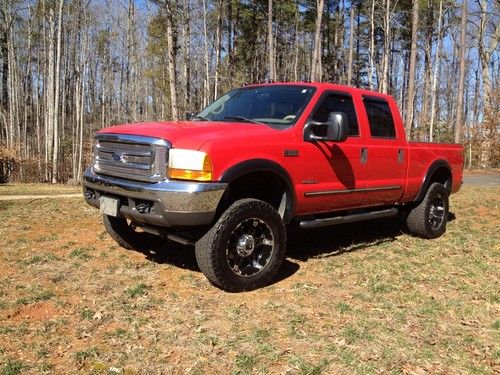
(189, 165)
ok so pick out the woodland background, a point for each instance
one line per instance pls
(70, 67)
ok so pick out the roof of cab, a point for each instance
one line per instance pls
(323, 86)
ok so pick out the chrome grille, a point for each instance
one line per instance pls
(132, 157)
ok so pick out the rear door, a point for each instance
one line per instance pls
(383, 156)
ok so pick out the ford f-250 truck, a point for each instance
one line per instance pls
(259, 159)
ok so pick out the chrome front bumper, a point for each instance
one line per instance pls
(168, 203)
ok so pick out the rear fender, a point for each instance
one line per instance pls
(428, 179)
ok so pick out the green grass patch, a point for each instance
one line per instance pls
(35, 294)
(83, 356)
(81, 253)
(13, 367)
(137, 290)
(245, 363)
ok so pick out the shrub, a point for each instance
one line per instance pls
(8, 160)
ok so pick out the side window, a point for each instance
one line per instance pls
(337, 103)
(379, 118)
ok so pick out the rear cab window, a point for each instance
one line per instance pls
(380, 117)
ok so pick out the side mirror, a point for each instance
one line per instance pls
(336, 129)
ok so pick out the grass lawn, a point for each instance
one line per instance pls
(363, 298)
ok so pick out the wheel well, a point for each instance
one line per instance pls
(263, 185)
(443, 176)
(439, 172)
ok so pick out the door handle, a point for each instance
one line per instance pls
(401, 155)
(364, 155)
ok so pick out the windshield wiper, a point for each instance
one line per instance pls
(244, 119)
(199, 117)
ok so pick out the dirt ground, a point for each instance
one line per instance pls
(363, 298)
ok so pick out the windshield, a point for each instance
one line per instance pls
(278, 105)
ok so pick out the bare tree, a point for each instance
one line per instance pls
(296, 44)
(206, 96)
(461, 77)
(270, 39)
(490, 120)
(316, 68)
(371, 55)
(384, 82)
(351, 44)
(186, 46)
(171, 55)
(437, 64)
(411, 74)
(218, 47)
(428, 32)
(56, 93)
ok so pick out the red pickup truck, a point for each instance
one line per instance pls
(262, 158)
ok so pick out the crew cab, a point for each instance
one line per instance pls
(262, 158)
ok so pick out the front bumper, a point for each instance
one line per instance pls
(165, 203)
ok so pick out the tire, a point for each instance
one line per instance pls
(429, 218)
(245, 248)
(126, 236)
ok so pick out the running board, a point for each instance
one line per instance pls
(164, 234)
(319, 223)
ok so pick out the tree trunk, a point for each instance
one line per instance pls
(351, 45)
(206, 96)
(372, 46)
(461, 77)
(172, 81)
(316, 69)
(49, 95)
(437, 63)
(186, 37)
(411, 73)
(4, 32)
(296, 45)
(387, 48)
(358, 45)
(55, 154)
(427, 70)
(490, 105)
(270, 41)
(218, 47)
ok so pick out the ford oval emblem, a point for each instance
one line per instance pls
(116, 156)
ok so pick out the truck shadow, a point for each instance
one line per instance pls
(336, 240)
(183, 256)
(339, 239)
(302, 244)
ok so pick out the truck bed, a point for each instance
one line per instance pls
(420, 157)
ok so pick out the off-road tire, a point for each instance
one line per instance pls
(419, 218)
(212, 249)
(127, 237)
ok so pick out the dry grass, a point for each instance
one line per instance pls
(482, 172)
(362, 298)
(38, 189)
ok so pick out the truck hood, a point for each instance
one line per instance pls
(191, 134)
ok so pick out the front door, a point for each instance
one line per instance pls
(330, 172)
